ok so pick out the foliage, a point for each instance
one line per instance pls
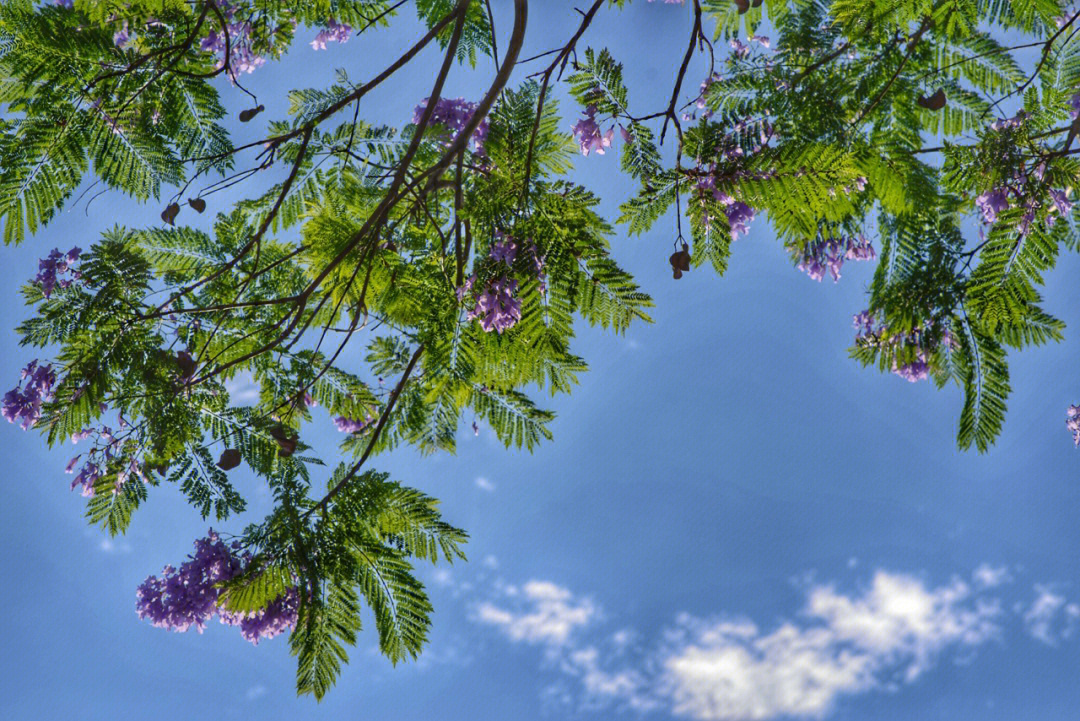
(454, 255)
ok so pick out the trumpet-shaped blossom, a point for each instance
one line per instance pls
(453, 114)
(504, 250)
(992, 202)
(496, 307)
(1072, 422)
(588, 135)
(739, 215)
(22, 404)
(870, 331)
(827, 255)
(53, 267)
(348, 425)
(122, 37)
(332, 33)
(188, 597)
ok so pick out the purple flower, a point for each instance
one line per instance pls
(1062, 204)
(992, 202)
(460, 292)
(278, 617)
(348, 425)
(739, 215)
(87, 477)
(1072, 422)
(22, 404)
(504, 251)
(454, 114)
(739, 49)
(917, 370)
(53, 267)
(241, 57)
(333, 33)
(828, 255)
(1007, 123)
(122, 37)
(496, 307)
(588, 135)
(188, 597)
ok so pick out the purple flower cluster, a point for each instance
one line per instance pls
(588, 135)
(992, 202)
(1009, 123)
(187, 597)
(57, 264)
(504, 250)
(122, 37)
(828, 255)
(242, 58)
(22, 404)
(914, 371)
(496, 307)
(739, 215)
(348, 425)
(278, 617)
(99, 458)
(539, 265)
(453, 114)
(332, 33)
(1072, 422)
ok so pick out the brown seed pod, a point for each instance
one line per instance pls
(743, 5)
(934, 102)
(198, 204)
(246, 115)
(230, 459)
(186, 363)
(170, 213)
(286, 443)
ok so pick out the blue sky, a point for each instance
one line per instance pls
(734, 519)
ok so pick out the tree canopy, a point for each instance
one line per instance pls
(406, 278)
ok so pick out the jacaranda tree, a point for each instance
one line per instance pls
(402, 279)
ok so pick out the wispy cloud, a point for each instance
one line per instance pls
(255, 692)
(1050, 618)
(484, 484)
(889, 632)
(987, 576)
(109, 545)
(540, 612)
(843, 645)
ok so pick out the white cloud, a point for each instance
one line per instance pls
(987, 576)
(888, 633)
(847, 645)
(484, 484)
(255, 692)
(1049, 618)
(544, 613)
(490, 562)
(109, 545)
(628, 687)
